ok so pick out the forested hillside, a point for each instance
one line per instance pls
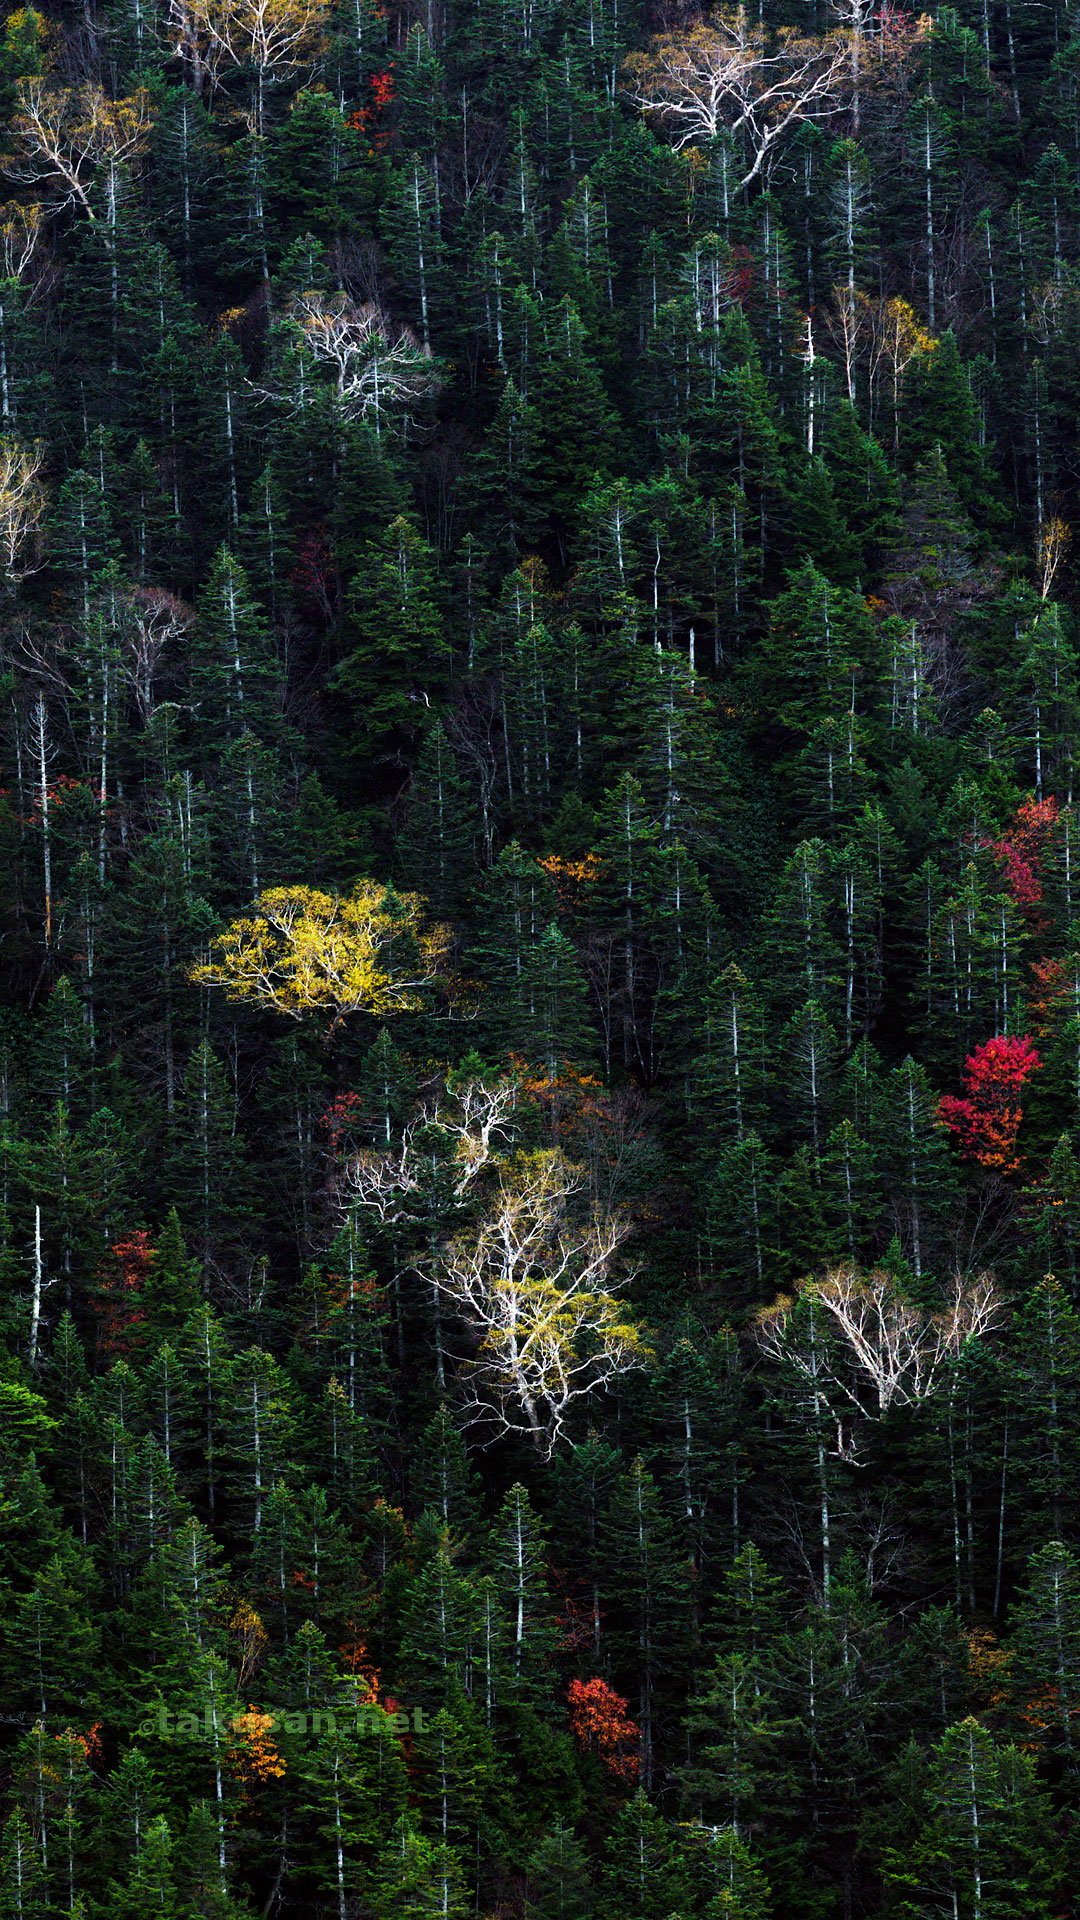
(539, 972)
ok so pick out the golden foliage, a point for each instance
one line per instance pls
(1051, 547)
(531, 1281)
(303, 952)
(884, 335)
(989, 1667)
(272, 37)
(22, 503)
(20, 231)
(250, 1638)
(728, 72)
(570, 877)
(64, 136)
(252, 1754)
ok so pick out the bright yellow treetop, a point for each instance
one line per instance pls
(303, 952)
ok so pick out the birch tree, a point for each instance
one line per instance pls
(419, 1184)
(67, 138)
(375, 365)
(888, 1350)
(729, 74)
(22, 506)
(532, 1283)
(272, 39)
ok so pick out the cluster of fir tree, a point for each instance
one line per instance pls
(830, 1674)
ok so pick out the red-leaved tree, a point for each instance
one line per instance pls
(601, 1724)
(370, 120)
(122, 1279)
(987, 1121)
(1021, 851)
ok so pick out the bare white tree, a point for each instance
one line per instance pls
(847, 323)
(43, 751)
(149, 619)
(471, 1121)
(40, 1287)
(467, 1123)
(376, 365)
(728, 73)
(887, 1343)
(532, 1283)
(395, 1186)
(380, 1183)
(856, 20)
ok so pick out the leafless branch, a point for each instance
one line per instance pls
(897, 1347)
(727, 73)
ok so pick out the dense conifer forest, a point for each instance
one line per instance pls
(539, 960)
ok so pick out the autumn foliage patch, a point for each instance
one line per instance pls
(367, 119)
(601, 1724)
(987, 1120)
(1021, 852)
(124, 1275)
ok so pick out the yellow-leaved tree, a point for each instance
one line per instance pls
(22, 506)
(303, 952)
(269, 39)
(76, 141)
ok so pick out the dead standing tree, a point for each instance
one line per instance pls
(378, 368)
(854, 1345)
(149, 620)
